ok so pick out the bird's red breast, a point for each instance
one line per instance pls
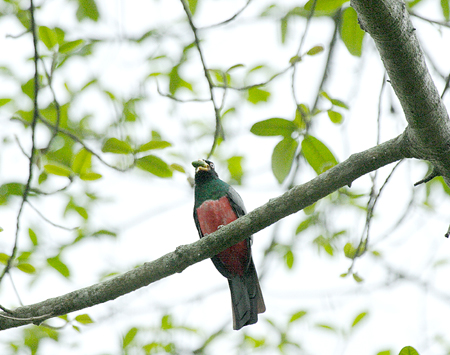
(214, 213)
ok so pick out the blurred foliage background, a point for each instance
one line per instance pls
(96, 179)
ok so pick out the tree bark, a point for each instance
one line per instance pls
(290, 202)
(428, 133)
(426, 137)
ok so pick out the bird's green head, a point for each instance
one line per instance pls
(204, 168)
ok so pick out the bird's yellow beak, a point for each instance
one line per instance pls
(200, 165)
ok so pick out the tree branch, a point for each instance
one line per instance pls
(290, 202)
(428, 131)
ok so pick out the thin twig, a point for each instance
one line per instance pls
(218, 131)
(40, 192)
(33, 149)
(6, 309)
(440, 23)
(21, 148)
(55, 102)
(228, 20)
(264, 83)
(172, 97)
(15, 289)
(79, 140)
(383, 82)
(447, 84)
(308, 21)
(362, 246)
(332, 46)
(50, 222)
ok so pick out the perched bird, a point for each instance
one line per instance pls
(217, 204)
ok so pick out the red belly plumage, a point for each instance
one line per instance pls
(214, 213)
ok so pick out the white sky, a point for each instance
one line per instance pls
(154, 216)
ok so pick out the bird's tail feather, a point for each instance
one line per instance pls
(246, 298)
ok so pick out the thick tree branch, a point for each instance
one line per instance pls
(428, 131)
(290, 202)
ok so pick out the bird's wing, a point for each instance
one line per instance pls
(236, 202)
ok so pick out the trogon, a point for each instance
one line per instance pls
(217, 204)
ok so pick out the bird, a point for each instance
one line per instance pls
(217, 204)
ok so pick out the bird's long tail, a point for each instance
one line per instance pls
(246, 298)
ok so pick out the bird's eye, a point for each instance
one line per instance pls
(211, 164)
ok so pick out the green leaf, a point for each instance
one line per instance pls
(357, 278)
(90, 176)
(445, 9)
(317, 154)
(128, 338)
(192, 6)
(33, 236)
(113, 145)
(68, 47)
(339, 103)
(349, 251)
(64, 317)
(27, 268)
(274, 127)
(42, 177)
(253, 342)
(57, 169)
(1, 229)
(358, 318)
(352, 35)
(28, 88)
(235, 168)
(297, 316)
(153, 145)
(234, 67)
(284, 28)
(335, 117)
(256, 95)
(155, 166)
(81, 211)
(84, 319)
(289, 258)
(176, 82)
(129, 110)
(104, 232)
(326, 326)
(59, 266)
(10, 189)
(48, 37)
(327, 6)
(408, 350)
(87, 9)
(282, 158)
(4, 102)
(24, 17)
(166, 322)
(177, 167)
(81, 161)
(303, 225)
(24, 256)
(300, 115)
(4, 258)
(295, 59)
(384, 352)
(315, 50)
(60, 34)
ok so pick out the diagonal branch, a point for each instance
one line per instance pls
(290, 202)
